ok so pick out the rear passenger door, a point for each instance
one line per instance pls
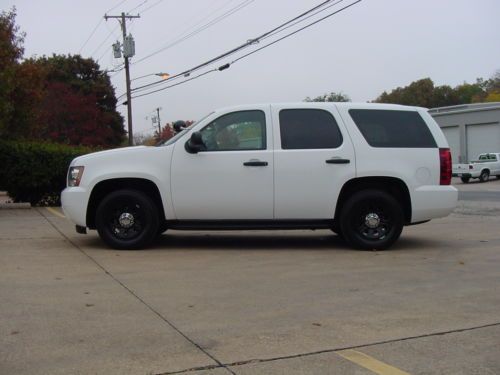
(313, 158)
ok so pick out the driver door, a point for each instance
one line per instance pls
(233, 178)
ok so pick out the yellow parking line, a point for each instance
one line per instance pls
(370, 363)
(55, 212)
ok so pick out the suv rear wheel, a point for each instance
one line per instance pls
(371, 220)
(127, 219)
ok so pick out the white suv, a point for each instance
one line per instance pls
(361, 170)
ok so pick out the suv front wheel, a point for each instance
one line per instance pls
(371, 220)
(127, 219)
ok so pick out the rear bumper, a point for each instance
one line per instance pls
(466, 175)
(74, 204)
(432, 202)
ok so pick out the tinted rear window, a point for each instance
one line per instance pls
(308, 129)
(384, 128)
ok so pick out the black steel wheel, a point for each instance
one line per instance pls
(127, 219)
(371, 220)
(484, 176)
(465, 180)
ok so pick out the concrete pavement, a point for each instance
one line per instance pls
(249, 302)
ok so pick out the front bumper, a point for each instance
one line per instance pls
(74, 204)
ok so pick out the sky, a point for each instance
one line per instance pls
(371, 47)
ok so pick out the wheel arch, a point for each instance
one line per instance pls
(103, 188)
(392, 185)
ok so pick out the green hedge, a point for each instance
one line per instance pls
(35, 172)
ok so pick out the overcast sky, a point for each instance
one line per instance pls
(373, 46)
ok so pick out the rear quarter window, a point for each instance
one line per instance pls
(387, 128)
(308, 129)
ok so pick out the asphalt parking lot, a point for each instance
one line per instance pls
(297, 302)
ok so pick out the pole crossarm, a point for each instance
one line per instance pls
(128, 16)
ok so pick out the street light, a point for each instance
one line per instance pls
(161, 74)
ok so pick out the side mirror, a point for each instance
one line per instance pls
(195, 144)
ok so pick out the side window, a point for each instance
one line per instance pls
(244, 130)
(308, 129)
(387, 128)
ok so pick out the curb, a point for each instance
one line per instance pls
(14, 206)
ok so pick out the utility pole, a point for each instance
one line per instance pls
(128, 51)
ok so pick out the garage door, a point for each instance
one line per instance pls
(452, 135)
(482, 138)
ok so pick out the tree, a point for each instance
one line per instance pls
(66, 99)
(492, 97)
(418, 93)
(423, 93)
(492, 88)
(331, 97)
(470, 93)
(168, 131)
(11, 51)
(78, 105)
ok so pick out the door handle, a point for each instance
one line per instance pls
(337, 161)
(255, 163)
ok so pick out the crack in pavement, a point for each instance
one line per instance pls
(218, 363)
(333, 350)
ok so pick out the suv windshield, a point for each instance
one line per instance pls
(174, 139)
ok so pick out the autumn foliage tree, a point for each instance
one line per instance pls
(64, 99)
(424, 93)
(11, 51)
(168, 131)
(78, 103)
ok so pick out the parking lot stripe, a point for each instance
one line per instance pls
(370, 363)
(55, 212)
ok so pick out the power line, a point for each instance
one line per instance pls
(179, 83)
(198, 30)
(138, 6)
(223, 67)
(152, 6)
(296, 31)
(104, 41)
(90, 36)
(302, 19)
(243, 46)
(116, 6)
(97, 26)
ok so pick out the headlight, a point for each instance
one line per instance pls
(75, 175)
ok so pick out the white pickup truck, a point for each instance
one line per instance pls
(486, 165)
(361, 170)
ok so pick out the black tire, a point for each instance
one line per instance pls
(371, 220)
(484, 176)
(162, 228)
(498, 176)
(127, 220)
(465, 180)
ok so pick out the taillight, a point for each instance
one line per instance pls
(445, 166)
